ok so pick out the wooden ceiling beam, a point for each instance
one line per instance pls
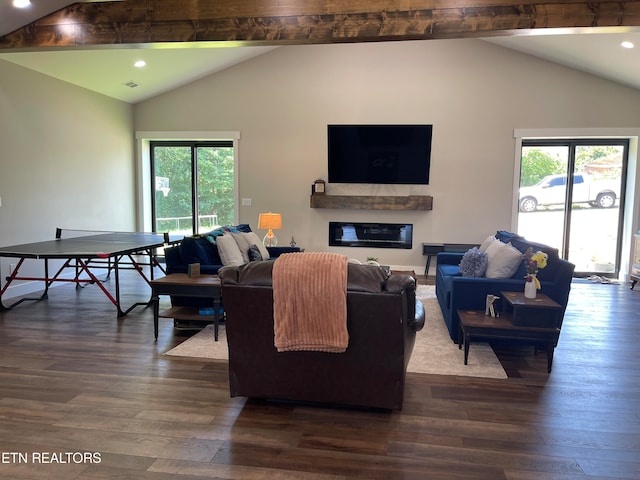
(280, 22)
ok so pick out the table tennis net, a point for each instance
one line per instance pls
(63, 233)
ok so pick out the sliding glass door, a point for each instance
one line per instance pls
(193, 186)
(571, 197)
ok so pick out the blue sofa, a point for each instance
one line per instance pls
(200, 249)
(455, 291)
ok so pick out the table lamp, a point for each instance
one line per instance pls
(270, 221)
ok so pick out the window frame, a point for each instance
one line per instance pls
(145, 187)
(193, 146)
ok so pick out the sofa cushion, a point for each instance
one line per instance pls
(243, 244)
(474, 263)
(503, 260)
(198, 250)
(552, 253)
(450, 270)
(523, 245)
(507, 237)
(229, 251)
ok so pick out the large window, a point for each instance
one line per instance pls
(193, 186)
(571, 196)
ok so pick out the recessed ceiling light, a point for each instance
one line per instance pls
(140, 63)
(627, 44)
(21, 3)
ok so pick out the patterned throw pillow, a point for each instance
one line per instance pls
(474, 263)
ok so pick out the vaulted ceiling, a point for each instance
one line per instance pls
(205, 30)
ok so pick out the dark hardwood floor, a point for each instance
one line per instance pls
(75, 379)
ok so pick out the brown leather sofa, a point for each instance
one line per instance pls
(383, 317)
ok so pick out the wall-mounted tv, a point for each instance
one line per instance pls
(388, 154)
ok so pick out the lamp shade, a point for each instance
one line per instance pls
(270, 220)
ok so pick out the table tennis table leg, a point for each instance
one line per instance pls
(117, 272)
(109, 268)
(154, 262)
(85, 268)
(2, 290)
(137, 268)
(14, 276)
(45, 294)
(6, 285)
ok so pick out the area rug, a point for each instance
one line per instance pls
(433, 353)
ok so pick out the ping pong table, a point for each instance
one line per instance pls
(85, 253)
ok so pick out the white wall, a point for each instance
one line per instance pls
(66, 159)
(474, 93)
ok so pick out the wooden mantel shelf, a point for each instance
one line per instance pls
(374, 202)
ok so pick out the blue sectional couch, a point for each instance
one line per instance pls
(455, 291)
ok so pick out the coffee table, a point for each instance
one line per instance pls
(523, 320)
(181, 284)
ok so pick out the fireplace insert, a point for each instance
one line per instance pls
(379, 235)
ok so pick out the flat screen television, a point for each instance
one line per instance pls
(387, 154)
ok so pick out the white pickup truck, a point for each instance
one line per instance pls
(551, 190)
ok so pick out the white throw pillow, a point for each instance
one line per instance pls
(503, 260)
(488, 241)
(229, 251)
(253, 239)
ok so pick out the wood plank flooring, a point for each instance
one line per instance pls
(76, 380)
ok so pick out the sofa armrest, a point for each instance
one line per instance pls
(464, 284)
(173, 260)
(398, 282)
(417, 322)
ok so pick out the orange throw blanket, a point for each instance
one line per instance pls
(310, 302)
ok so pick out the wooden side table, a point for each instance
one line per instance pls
(180, 284)
(475, 324)
(541, 311)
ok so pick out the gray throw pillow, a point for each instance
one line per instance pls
(254, 254)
